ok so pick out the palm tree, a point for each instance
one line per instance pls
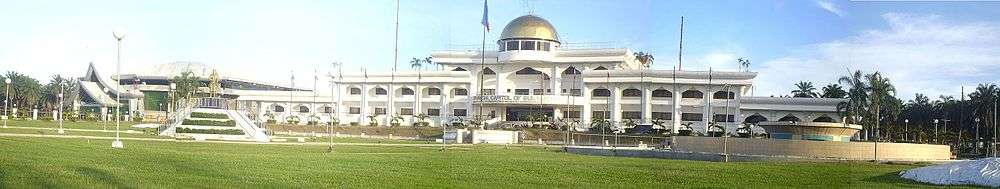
(805, 90)
(744, 63)
(416, 63)
(880, 89)
(857, 96)
(833, 91)
(644, 58)
(430, 61)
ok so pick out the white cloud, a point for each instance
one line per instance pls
(919, 53)
(829, 6)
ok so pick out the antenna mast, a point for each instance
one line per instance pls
(680, 46)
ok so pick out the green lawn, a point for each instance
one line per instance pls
(73, 163)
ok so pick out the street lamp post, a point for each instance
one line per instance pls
(119, 35)
(936, 130)
(6, 102)
(906, 129)
(105, 112)
(60, 116)
(975, 142)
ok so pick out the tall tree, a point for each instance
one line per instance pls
(881, 93)
(857, 96)
(833, 91)
(57, 84)
(430, 61)
(804, 89)
(187, 84)
(644, 58)
(744, 63)
(25, 92)
(416, 63)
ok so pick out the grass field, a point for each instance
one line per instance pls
(32, 162)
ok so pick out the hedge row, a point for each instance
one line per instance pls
(227, 123)
(209, 115)
(211, 131)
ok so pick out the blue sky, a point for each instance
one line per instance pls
(924, 47)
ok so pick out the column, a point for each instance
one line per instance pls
(443, 118)
(555, 82)
(474, 90)
(362, 118)
(707, 108)
(390, 102)
(647, 106)
(501, 77)
(340, 102)
(616, 106)
(586, 114)
(417, 95)
(676, 114)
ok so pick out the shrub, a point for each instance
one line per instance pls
(227, 123)
(354, 123)
(210, 131)
(209, 115)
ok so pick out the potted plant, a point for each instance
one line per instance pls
(313, 119)
(685, 129)
(714, 130)
(745, 132)
(372, 121)
(270, 117)
(292, 119)
(395, 121)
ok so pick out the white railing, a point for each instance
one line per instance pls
(182, 111)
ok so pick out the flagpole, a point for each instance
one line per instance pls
(482, 61)
(390, 109)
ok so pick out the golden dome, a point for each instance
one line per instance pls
(530, 27)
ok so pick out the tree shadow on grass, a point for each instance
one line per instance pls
(100, 175)
(895, 179)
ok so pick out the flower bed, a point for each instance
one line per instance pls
(227, 123)
(211, 131)
(209, 115)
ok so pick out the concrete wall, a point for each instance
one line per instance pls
(815, 149)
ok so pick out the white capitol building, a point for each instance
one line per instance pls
(531, 75)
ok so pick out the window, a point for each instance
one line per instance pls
(571, 114)
(503, 47)
(406, 111)
(489, 71)
(354, 110)
(459, 69)
(601, 92)
(600, 68)
(723, 118)
(690, 117)
(527, 71)
(461, 92)
(279, 109)
(512, 45)
(546, 46)
(458, 112)
(328, 110)
(355, 91)
(433, 91)
(379, 111)
(601, 115)
(433, 112)
(380, 91)
(824, 118)
(692, 94)
(631, 115)
(723, 95)
(631, 93)
(407, 91)
(527, 45)
(790, 118)
(662, 93)
(521, 91)
(537, 91)
(663, 115)
(303, 109)
(575, 92)
(489, 91)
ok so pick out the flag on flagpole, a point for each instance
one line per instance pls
(486, 20)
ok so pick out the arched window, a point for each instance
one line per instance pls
(631, 93)
(571, 71)
(279, 108)
(527, 71)
(328, 110)
(601, 92)
(461, 92)
(406, 91)
(692, 94)
(380, 91)
(459, 69)
(489, 71)
(303, 109)
(724, 95)
(600, 68)
(790, 118)
(754, 119)
(355, 91)
(662, 93)
(433, 91)
(824, 118)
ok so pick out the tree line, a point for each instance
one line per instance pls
(26, 93)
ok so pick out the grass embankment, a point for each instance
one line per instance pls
(415, 132)
(75, 163)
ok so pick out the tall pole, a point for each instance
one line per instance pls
(6, 101)
(61, 131)
(391, 106)
(680, 46)
(725, 135)
(935, 130)
(482, 61)
(906, 129)
(118, 103)
(975, 143)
